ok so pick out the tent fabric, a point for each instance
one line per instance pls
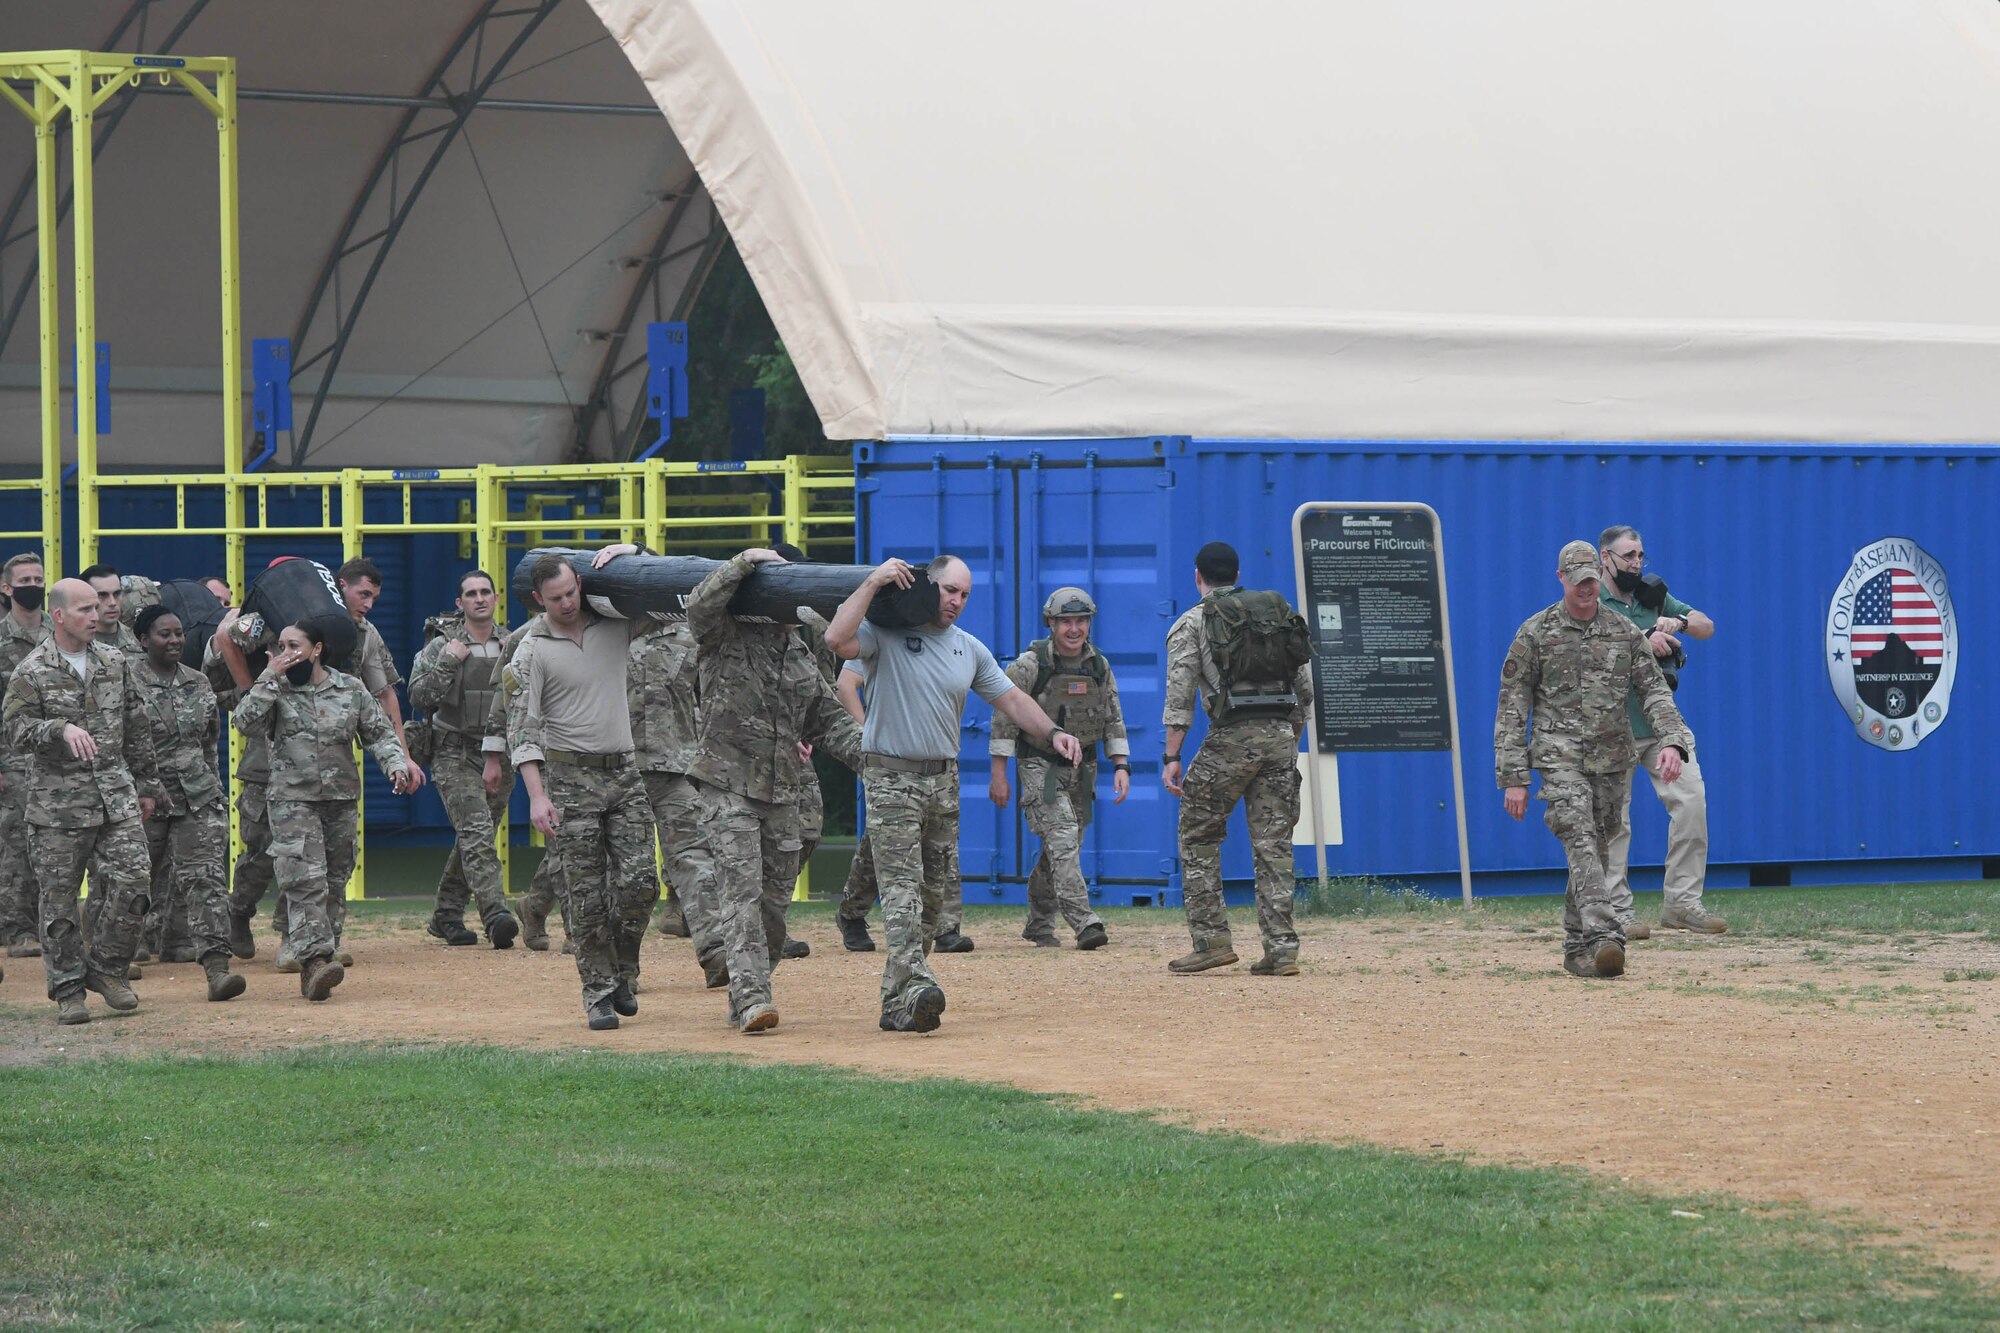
(484, 332)
(1562, 219)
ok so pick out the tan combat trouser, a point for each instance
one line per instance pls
(1686, 802)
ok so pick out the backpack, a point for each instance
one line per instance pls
(1257, 643)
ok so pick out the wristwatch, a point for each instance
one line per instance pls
(1121, 765)
(1166, 759)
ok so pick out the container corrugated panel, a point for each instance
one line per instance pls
(1028, 520)
(1758, 536)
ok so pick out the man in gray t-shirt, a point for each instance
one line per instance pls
(918, 679)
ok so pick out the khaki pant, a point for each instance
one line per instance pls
(1686, 801)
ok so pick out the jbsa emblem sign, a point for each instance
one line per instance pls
(1892, 643)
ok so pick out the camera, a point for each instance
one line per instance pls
(1652, 594)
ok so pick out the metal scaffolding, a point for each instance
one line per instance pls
(500, 509)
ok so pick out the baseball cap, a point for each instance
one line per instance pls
(1578, 561)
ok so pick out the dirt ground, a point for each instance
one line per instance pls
(1854, 1077)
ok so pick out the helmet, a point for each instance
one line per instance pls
(1068, 602)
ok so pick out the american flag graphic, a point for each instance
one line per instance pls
(1893, 602)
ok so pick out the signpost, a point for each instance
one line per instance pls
(1371, 587)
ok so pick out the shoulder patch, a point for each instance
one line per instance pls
(1512, 669)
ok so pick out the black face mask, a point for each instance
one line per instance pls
(300, 673)
(1627, 581)
(28, 596)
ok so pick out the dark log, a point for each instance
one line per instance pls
(634, 585)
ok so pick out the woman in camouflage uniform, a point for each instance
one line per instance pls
(313, 716)
(189, 833)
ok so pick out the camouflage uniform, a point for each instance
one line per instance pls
(83, 814)
(1249, 759)
(254, 871)
(251, 878)
(315, 786)
(118, 636)
(761, 695)
(1056, 798)
(459, 697)
(660, 692)
(1573, 677)
(188, 836)
(940, 860)
(605, 841)
(546, 892)
(913, 819)
(20, 901)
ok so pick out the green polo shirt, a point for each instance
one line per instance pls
(1645, 618)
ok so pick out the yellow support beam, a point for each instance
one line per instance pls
(46, 280)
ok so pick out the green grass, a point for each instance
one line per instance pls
(362, 1188)
(1841, 914)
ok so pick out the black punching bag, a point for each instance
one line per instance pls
(294, 589)
(199, 612)
(635, 585)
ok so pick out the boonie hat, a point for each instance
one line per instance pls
(1578, 561)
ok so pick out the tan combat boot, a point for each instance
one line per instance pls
(222, 983)
(1698, 921)
(114, 990)
(70, 1010)
(534, 925)
(1201, 960)
(318, 977)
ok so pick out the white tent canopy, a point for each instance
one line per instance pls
(506, 321)
(1593, 219)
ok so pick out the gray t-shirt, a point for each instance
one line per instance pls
(917, 680)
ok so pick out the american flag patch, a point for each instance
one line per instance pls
(1893, 602)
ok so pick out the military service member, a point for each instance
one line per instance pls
(454, 679)
(312, 717)
(1568, 672)
(1663, 619)
(940, 853)
(546, 890)
(238, 639)
(661, 686)
(227, 668)
(860, 890)
(1070, 679)
(360, 586)
(23, 627)
(569, 734)
(762, 701)
(1245, 653)
(112, 631)
(72, 710)
(188, 834)
(918, 682)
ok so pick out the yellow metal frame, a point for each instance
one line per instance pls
(652, 497)
(77, 84)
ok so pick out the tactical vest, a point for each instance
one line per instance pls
(470, 702)
(1079, 698)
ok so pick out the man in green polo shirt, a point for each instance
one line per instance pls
(1623, 556)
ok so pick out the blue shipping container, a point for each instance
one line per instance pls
(1757, 536)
